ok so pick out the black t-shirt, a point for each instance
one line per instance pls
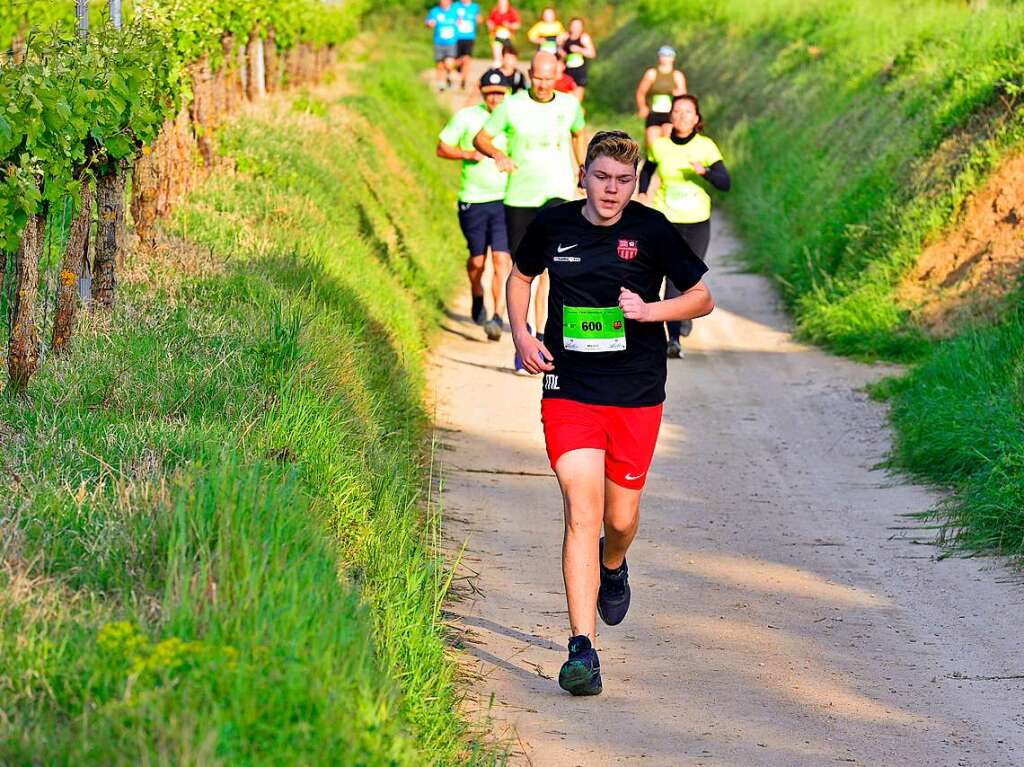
(588, 265)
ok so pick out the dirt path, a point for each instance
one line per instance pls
(782, 614)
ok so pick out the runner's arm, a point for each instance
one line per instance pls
(717, 175)
(579, 147)
(535, 356)
(449, 152)
(485, 143)
(534, 35)
(641, 92)
(587, 46)
(693, 303)
(680, 82)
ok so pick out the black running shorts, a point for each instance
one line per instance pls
(483, 226)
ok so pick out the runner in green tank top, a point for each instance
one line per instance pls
(654, 94)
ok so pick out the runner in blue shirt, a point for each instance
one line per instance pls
(467, 14)
(443, 20)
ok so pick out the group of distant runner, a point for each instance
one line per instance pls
(573, 228)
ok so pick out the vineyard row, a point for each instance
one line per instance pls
(81, 115)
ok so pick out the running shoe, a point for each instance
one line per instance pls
(685, 328)
(479, 311)
(493, 328)
(675, 349)
(581, 674)
(613, 595)
(518, 362)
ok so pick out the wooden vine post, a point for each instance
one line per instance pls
(76, 256)
(110, 207)
(23, 346)
(110, 204)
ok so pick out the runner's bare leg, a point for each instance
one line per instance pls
(621, 520)
(581, 477)
(502, 263)
(540, 306)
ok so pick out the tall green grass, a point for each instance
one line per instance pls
(217, 544)
(855, 132)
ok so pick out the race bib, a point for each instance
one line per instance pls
(465, 26)
(502, 33)
(446, 33)
(661, 103)
(593, 329)
(574, 60)
(549, 46)
(686, 199)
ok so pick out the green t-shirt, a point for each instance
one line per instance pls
(681, 196)
(539, 140)
(481, 181)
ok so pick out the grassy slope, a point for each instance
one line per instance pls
(217, 549)
(854, 131)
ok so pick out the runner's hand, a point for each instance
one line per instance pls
(535, 355)
(505, 164)
(473, 155)
(633, 307)
(699, 167)
(644, 112)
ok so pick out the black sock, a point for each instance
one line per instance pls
(613, 571)
(478, 305)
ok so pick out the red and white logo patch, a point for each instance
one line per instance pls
(628, 249)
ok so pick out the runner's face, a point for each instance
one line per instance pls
(492, 99)
(684, 117)
(609, 184)
(575, 28)
(666, 63)
(542, 78)
(548, 14)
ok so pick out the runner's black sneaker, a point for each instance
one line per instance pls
(479, 312)
(613, 595)
(674, 349)
(493, 328)
(581, 674)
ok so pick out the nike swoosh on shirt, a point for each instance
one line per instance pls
(631, 478)
(568, 247)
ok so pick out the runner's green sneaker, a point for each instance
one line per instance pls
(581, 674)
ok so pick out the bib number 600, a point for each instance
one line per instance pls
(591, 326)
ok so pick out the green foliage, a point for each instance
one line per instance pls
(960, 422)
(75, 106)
(830, 114)
(219, 549)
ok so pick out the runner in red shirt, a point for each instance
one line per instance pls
(604, 369)
(564, 82)
(502, 23)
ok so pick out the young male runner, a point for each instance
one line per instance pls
(539, 125)
(442, 20)
(604, 367)
(481, 190)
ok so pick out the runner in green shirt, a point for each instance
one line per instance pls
(540, 126)
(481, 190)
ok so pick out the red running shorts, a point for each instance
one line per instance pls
(626, 434)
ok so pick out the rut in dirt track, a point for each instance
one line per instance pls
(782, 613)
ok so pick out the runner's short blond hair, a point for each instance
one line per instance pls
(615, 144)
